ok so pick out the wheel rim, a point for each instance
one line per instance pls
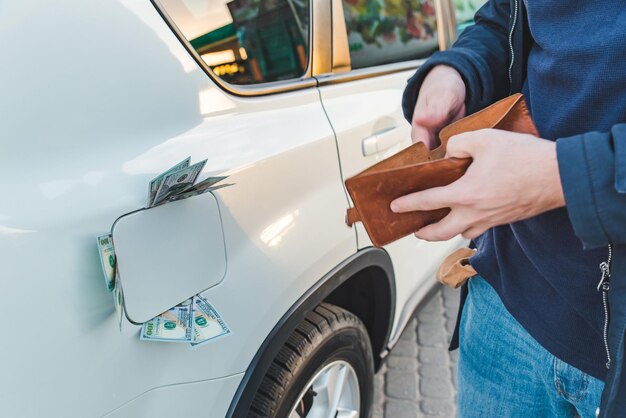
(332, 393)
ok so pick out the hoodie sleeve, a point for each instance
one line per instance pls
(480, 55)
(592, 167)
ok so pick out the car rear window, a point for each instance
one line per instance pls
(246, 41)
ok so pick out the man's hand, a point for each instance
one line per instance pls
(441, 100)
(512, 177)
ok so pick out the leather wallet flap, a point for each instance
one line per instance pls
(508, 114)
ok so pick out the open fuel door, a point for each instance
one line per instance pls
(168, 254)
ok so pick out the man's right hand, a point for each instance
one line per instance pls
(441, 101)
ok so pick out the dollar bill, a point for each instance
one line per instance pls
(173, 325)
(107, 259)
(195, 192)
(204, 184)
(156, 182)
(177, 181)
(118, 299)
(207, 323)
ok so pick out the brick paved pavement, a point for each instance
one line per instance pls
(418, 379)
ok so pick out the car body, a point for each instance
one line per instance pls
(100, 97)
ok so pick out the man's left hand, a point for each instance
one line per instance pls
(512, 177)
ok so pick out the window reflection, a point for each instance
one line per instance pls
(246, 41)
(465, 11)
(386, 31)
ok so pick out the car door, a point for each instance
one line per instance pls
(119, 101)
(377, 47)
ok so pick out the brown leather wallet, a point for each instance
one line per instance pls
(416, 168)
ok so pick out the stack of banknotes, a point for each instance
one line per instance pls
(194, 321)
(178, 183)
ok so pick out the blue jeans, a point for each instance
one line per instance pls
(504, 373)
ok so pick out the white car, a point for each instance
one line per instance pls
(287, 98)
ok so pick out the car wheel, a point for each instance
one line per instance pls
(324, 369)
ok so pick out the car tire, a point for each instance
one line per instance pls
(329, 345)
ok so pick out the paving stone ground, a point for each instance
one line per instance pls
(419, 376)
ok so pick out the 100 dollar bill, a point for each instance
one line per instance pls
(107, 259)
(195, 191)
(207, 323)
(178, 181)
(174, 325)
(158, 180)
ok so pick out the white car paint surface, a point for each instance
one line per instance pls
(97, 99)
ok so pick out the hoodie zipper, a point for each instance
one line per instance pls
(603, 286)
(515, 12)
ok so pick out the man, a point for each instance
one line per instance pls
(535, 338)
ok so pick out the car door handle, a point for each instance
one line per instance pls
(382, 141)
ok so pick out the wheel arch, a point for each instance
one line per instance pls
(363, 284)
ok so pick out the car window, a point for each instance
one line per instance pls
(246, 41)
(387, 31)
(465, 11)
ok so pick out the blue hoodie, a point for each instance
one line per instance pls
(494, 57)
